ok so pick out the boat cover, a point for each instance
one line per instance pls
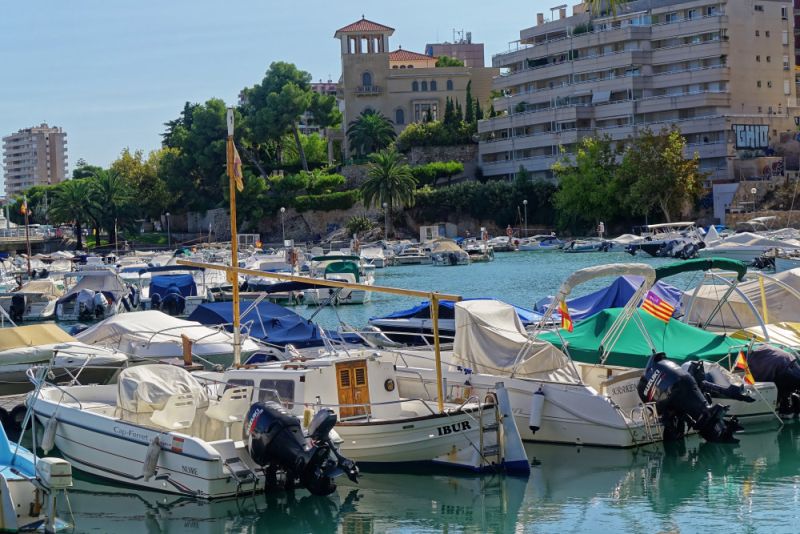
(787, 334)
(32, 335)
(103, 281)
(782, 304)
(46, 287)
(679, 341)
(146, 388)
(615, 295)
(599, 271)
(490, 339)
(447, 311)
(268, 322)
(163, 284)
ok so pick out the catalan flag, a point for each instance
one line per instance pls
(566, 320)
(235, 165)
(657, 307)
(741, 363)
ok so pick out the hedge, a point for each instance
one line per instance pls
(341, 200)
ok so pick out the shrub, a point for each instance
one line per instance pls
(341, 200)
(435, 133)
(428, 174)
(359, 224)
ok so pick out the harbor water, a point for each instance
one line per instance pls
(691, 486)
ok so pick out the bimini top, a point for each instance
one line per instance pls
(679, 341)
(702, 264)
(600, 271)
(447, 311)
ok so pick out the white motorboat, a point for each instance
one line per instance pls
(479, 251)
(342, 269)
(159, 429)
(678, 239)
(539, 243)
(412, 255)
(34, 301)
(91, 295)
(445, 252)
(155, 335)
(747, 246)
(176, 290)
(374, 255)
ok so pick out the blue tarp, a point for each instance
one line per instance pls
(615, 295)
(167, 283)
(447, 311)
(268, 322)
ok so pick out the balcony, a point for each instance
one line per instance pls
(368, 90)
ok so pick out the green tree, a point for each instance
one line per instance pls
(142, 175)
(359, 224)
(478, 111)
(389, 181)
(370, 132)
(69, 205)
(112, 197)
(469, 113)
(655, 173)
(589, 189)
(84, 170)
(447, 61)
(599, 7)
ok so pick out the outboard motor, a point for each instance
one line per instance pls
(679, 401)
(100, 304)
(19, 304)
(85, 304)
(155, 302)
(275, 441)
(174, 303)
(714, 384)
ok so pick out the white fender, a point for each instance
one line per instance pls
(49, 435)
(515, 460)
(537, 408)
(151, 459)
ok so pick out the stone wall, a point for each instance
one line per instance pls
(312, 225)
(420, 155)
(355, 175)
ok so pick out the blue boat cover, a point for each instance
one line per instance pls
(170, 283)
(615, 295)
(447, 311)
(268, 322)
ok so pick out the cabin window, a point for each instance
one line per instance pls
(281, 391)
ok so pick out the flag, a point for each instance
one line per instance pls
(566, 320)
(235, 165)
(23, 209)
(741, 363)
(657, 307)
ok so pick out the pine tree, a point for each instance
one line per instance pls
(449, 112)
(492, 112)
(459, 113)
(469, 111)
(478, 111)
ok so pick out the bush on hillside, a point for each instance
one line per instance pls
(341, 200)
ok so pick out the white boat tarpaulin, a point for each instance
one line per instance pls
(145, 388)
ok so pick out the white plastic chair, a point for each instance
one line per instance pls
(178, 412)
(232, 407)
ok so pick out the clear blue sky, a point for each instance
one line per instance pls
(111, 72)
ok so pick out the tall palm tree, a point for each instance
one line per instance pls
(112, 195)
(612, 6)
(69, 205)
(370, 132)
(389, 181)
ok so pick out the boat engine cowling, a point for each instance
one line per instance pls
(275, 439)
(679, 402)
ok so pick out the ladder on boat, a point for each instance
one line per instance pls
(491, 439)
(651, 421)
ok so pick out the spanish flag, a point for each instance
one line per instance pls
(235, 165)
(23, 209)
(741, 363)
(566, 320)
(657, 307)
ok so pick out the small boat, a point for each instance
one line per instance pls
(91, 295)
(34, 301)
(342, 269)
(747, 247)
(445, 252)
(412, 255)
(587, 245)
(479, 251)
(174, 289)
(374, 255)
(673, 240)
(539, 243)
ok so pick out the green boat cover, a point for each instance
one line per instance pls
(679, 341)
(340, 267)
(702, 264)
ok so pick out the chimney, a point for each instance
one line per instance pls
(539, 19)
(562, 13)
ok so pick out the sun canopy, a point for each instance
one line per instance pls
(447, 311)
(702, 264)
(615, 295)
(599, 271)
(163, 284)
(268, 322)
(679, 341)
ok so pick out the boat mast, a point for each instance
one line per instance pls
(233, 276)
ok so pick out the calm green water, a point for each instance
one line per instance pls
(689, 487)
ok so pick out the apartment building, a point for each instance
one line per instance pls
(723, 72)
(403, 85)
(462, 48)
(34, 156)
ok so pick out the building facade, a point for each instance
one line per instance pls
(721, 71)
(463, 48)
(404, 86)
(34, 156)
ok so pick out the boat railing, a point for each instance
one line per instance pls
(39, 381)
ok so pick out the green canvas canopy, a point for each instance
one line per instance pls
(340, 267)
(679, 341)
(702, 264)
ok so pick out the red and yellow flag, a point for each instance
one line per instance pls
(235, 165)
(741, 363)
(657, 307)
(23, 209)
(566, 320)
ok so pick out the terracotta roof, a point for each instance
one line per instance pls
(364, 25)
(407, 55)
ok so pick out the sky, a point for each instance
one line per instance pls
(112, 72)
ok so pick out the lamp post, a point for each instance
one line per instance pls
(283, 225)
(385, 221)
(753, 192)
(525, 203)
(169, 233)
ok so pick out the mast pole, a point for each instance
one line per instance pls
(233, 276)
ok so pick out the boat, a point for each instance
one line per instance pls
(479, 251)
(374, 255)
(155, 335)
(748, 246)
(587, 245)
(674, 240)
(22, 347)
(160, 429)
(91, 295)
(445, 252)
(174, 289)
(539, 243)
(342, 269)
(501, 243)
(412, 255)
(35, 300)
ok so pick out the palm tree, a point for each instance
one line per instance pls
(111, 195)
(69, 205)
(612, 6)
(370, 132)
(389, 182)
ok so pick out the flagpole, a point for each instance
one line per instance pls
(233, 276)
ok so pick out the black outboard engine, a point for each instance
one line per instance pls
(174, 303)
(679, 401)
(275, 441)
(711, 386)
(155, 302)
(18, 305)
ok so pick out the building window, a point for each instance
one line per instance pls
(671, 17)
(785, 62)
(411, 66)
(769, 83)
(757, 33)
(758, 7)
(399, 116)
(766, 33)
(758, 83)
(415, 86)
(401, 66)
(758, 58)
(424, 86)
(423, 111)
(711, 11)
(449, 85)
(366, 79)
(691, 14)
(784, 13)
(769, 59)
(433, 85)
(785, 38)
(394, 66)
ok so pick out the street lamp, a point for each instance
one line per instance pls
(385, 221)
(525, 203)
(283, 226)
(753, 192)
(169, 234)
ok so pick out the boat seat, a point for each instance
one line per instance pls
(178, 412)
(232, 407)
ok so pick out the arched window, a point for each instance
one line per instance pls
(449, 85)
(414, 86)
(399, 116)
(424, 86)
(433, 85)
(411, 66)
(394, 66)
(366, 79)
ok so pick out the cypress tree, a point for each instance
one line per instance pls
(492, 112)
(478, 111)
(469, 111)
(459, 113)
(449, 112)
